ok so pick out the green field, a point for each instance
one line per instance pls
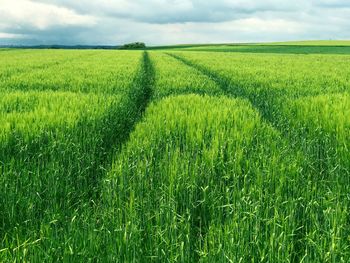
(314, 43)
(177, 154)
(292, 47)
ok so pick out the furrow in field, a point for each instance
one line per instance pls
(206, 179)
(175, 78)
(289, 101)
(316, 123)
(291, 75)
(56, 147)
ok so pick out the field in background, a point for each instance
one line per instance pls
(314, 43)
(179, 154)
(292, 47)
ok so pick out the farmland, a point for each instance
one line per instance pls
(186, 154)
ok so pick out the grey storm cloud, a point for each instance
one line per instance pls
(332, 4)
(178, 11)
(170, 21)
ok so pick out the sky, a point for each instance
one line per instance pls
(164, 22)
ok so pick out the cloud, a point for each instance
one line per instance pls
(171, 21)
(10, 36)
(337, 4)
(28, 22)
(177, 11)
(41, 15)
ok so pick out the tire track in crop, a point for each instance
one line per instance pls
(265, 104)
(267, 107)
(114, 130)
(223, 83)
(138, 97)
(119, 123)
(268, 103)
(267, 110)
(320, 165)
(79, 190)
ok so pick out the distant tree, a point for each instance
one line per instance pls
(135, 45)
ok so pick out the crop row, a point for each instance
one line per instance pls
(206, 179)
(16, 62)
(173, 78)
(56, 146)
(304, 97)
(99, 72)
(203, 178)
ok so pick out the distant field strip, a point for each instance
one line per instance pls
(274, 49)
(337, 43)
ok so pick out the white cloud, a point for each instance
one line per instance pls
(177, 11)
(40, 15)
(241, 30)
(253, 25)
(172, 21)
(10, 36)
